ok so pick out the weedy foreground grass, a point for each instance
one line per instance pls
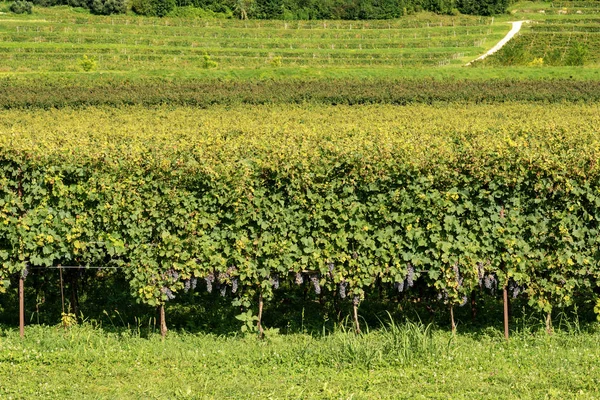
(405, 360)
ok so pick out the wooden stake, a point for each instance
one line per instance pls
(62, 292)
(356, 323)
(261, 333)
(21, 306)
(505, 297)
(473, 306)
(452, 320)
(549, 323)
(163, 321)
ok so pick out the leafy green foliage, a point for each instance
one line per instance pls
(577, 54)
(153, 8)
(248, 320)
(317, 9)
(445, 207)
(21, 7)
(56, 93)
(108, 7)
(88, 63)
(208, 62)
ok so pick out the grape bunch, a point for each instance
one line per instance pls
(173, 275)
(480, 273)
(399, 286)
(410, 276)
(168, 292)
(459, 278)
(343, 287)
(331, 269)
(514, 288)
(210, 278)
(314, 278)
(274, 281)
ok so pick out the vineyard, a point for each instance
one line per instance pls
(58, 43)
(347, 200)
(203, 207)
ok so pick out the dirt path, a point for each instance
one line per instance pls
(516, 27)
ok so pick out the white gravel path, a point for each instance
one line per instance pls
(516, 27)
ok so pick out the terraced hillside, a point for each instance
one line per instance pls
(57, 40)
(565, 33)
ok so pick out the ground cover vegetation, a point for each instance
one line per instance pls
(91, 362)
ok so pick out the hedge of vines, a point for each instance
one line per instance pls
(455, 211)
(70, 92)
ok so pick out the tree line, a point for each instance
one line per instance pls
(292, 9)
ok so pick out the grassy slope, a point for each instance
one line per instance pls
(86, 362)
(274, 32)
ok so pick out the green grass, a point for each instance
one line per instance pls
(401, 361)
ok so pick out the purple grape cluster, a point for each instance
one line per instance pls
(331, 269)
(514, 289)
(399, 286)
(355, 300)
(459, 278)
(464, 301)
(210, 278)
(234, 285)
(410, 276)
(194, 282)
(480, 273)
(172, 274)
(186, 285)
(274, 281)
(490, 282)
(343, 287)
(223, 290)
(443, 295)
(25, 272)
(299, 278)
(168, 292)
(314, 278)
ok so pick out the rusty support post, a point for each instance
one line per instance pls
(22, 306)
(505, 296)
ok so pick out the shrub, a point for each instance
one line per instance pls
(577, 54)
(536, 62)
(88, 63)
(153, 8)
(275, 61)
(142, 7)
(21, 7)
(162, 7)
(208, 62)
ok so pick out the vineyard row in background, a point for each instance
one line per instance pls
(52, 92)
